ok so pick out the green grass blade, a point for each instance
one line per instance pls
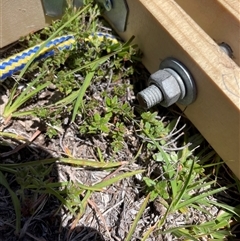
(23, 113)
(174, 205)
(32, 163)
(15, 200)
(55, 193)
(29, 87)
(65, 184)
(115, 179)
(13, 136)
(201, 196)
(50, 38)
(149, 231)
(13, 105)
(86, 84)
(137, 218)
(78, 162)
(97, 61)
(234, 210)
(90, 163)
(8, 169)
(20, 102)
(210, 228)
(84, 203)
(82, 91)
(183, 233)
(201, 209)
(200, 184)
(11, 97)
(69, 99)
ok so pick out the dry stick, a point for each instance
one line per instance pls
(66, 150)
(114, 206)
(18, 148)
(113, 173)
(28, 222)
(6, 121)
(93, 205)
(175, 126)
(97, 209)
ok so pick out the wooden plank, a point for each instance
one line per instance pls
(19, 18)
(220, 19)
(162, 29)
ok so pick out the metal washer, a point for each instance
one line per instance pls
(191, 90)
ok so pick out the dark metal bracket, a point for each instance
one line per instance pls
(116, 11)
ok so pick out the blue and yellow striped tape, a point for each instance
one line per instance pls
(17, 62)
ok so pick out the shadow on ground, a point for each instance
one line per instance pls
(41, 214)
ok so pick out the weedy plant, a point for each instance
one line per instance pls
(183, 186)
(84, 59)
(89, 97)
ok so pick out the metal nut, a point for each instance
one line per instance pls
(168, 85)
(172, 83)
(226, 49)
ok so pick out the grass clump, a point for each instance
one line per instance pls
(134, 174)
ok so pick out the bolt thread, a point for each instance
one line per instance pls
(150, 97)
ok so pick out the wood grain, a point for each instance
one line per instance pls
(162, 29)
(220, 19)
(19, 18)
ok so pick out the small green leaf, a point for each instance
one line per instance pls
(149, 182)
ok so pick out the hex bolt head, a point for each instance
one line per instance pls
(226, 49)
(168, 85)
(163, 89)
(172, 83)
(186, 77)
